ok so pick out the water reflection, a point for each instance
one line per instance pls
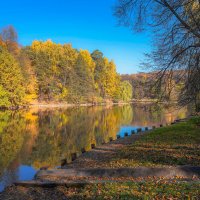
(31, 139)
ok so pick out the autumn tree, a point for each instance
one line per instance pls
(67, 68)
(110, 79)
(52, 63)
(12, 89)
(106, 77)
(46, 71)
(84, 68)
(2, 43)
(9, 41)
(9, 37)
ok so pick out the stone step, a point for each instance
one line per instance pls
(143, 172)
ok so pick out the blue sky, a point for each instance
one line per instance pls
(86, 24)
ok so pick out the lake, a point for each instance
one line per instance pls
(35, 138)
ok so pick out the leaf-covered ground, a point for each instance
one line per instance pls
(160, 189)
(144, 190)
(173, 145)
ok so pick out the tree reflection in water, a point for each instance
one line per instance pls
(42, 137)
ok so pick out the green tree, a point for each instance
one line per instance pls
(98, 58)
(125, 91)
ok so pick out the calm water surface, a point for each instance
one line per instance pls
(31, 139)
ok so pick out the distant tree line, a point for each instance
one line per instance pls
(50, 72)
(143, 86)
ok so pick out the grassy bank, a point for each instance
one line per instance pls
(157, 190)
(178, 144)
(144, 190)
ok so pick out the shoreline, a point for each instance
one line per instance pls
(70, 105)
(96, 158)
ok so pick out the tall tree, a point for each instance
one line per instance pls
(176, 43)
(84, 68)
(98, 58)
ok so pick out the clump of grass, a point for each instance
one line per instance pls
(195, 120)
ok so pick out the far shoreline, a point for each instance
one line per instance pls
(71, 105)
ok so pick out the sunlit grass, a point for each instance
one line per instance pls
(145, 190)
(173, 145)
(140, 190)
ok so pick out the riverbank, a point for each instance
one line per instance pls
(66, 105)
(166, 148)
(51, 105)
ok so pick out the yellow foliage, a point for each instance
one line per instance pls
(2, 44)
(87, 60)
